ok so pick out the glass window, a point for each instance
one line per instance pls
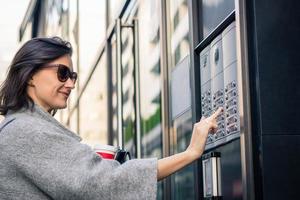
(93, 107)
(65, 19)
(183, 181)
(53, 17)
(73, 25)
(27, 34)
(150, 86)
(114, 92)
(214, 12)
(128, 94)
(179, 26)
(73, 30)
(114, 7)
(148, 16)
(92, 30)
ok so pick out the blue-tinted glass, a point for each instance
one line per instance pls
(183, 184)
(214, 12)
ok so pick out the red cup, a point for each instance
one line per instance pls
(106, 151)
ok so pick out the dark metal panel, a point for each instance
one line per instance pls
(281, 167)
(273, 46)
(277, 37)
(245, 107)
(109, 80)
(254, 99)
(231, 175)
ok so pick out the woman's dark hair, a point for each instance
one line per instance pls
(28, 60)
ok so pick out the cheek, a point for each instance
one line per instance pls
(53, 91)
(49, 88)
(47, 84)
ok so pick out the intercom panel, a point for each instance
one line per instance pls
(218, 68)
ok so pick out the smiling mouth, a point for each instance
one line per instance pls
(65, 94)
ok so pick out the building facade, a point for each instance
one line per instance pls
(148, 70)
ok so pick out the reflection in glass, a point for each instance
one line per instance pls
(91, 34)
(53, 17)
(128, 94)
(150, 87)
(179, 26)
(93, 115)
(214, 12)
(183, 181)
(114, 92)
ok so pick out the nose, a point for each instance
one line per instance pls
(70, 83)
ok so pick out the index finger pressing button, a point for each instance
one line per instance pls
(217, 113)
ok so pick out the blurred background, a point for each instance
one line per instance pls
(30, 18)
(11, 15)
(149, 69)
(108, 84)
(107, 87)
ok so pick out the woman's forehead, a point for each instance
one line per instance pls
(64, 60)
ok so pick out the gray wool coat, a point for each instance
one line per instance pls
(41, 159)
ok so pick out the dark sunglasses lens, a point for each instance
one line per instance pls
(74, 76)
(63, 73)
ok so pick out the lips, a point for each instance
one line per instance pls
(66, 94)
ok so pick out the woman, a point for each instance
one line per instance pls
(41, 159)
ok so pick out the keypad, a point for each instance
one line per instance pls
(232, 116)
(219, 87)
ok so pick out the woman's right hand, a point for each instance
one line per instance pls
(169, 165)
(200, 133)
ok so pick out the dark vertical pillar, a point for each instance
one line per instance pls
(274, 66)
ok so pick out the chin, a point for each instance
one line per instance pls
(63, 106)
(60, 105)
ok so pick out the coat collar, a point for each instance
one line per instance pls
(37, 112)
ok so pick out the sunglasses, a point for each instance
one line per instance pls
(64, 73)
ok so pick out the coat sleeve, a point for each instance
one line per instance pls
(63, 168)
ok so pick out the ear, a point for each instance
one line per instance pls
(30, 82)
